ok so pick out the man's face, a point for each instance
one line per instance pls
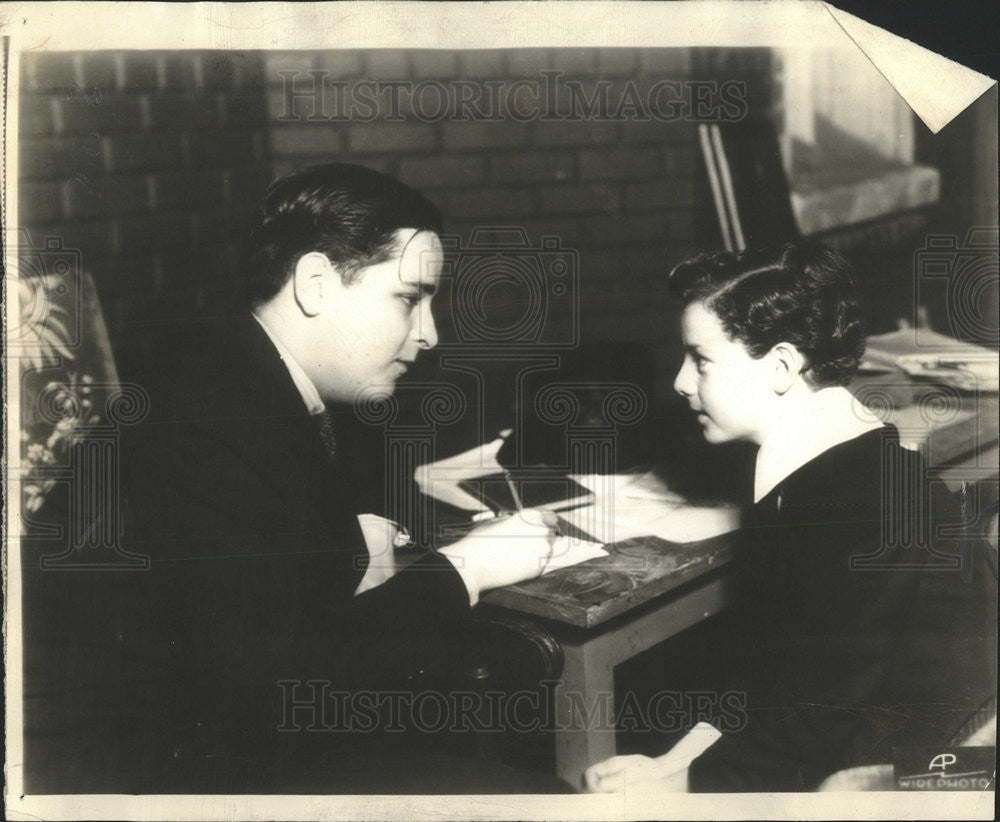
(728, 389)
(372, 329)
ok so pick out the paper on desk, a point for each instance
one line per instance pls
(965, 375)
(567, 551)
(927, 355)
(614, 519)
(629, 505)
(439, 480)
(647, 486)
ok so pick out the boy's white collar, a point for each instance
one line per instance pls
(809, 426)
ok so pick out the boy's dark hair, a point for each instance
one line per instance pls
(347, 212)
(802, 293)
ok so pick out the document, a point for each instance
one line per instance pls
(628, 506)
(927, 355)
(440, 480)
(572, 550)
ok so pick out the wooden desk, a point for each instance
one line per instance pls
(608, 610)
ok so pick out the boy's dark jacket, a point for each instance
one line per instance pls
(844, 649)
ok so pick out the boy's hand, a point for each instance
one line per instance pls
(635, 772)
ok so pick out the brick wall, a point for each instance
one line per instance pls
(628, 193)
(148, 163)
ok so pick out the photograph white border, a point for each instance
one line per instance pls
(936, 88)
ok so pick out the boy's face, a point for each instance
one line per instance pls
(374, 328)
(728, 389)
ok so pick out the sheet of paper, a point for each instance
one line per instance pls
(631, 505)
(626, 505)
(928, 355)
(646, 486)
(965, 375)
(567, 551)
(698, 740)
(439, 480)
(616, 519)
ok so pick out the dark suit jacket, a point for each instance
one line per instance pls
(839, 660)
(255, 553)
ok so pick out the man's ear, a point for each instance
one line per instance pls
(788, 364)
(310, 282)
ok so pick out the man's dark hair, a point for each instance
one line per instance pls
(802, 293)
(347, 212)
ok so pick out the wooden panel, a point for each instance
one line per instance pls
(634, 572)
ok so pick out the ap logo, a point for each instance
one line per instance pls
(942, 762)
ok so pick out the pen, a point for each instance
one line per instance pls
(550, 519)
(513, 490)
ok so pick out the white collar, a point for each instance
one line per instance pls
(310, 396)
(810, 426)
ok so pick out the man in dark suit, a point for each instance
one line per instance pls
(270, 561)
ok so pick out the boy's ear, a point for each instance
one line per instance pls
(788, 364)
(311, 280)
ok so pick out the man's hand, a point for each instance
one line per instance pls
(635, 773)
(507, 550)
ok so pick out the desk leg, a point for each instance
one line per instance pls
(585, 710)
(585, 703)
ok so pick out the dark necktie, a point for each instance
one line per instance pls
(324, 423)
